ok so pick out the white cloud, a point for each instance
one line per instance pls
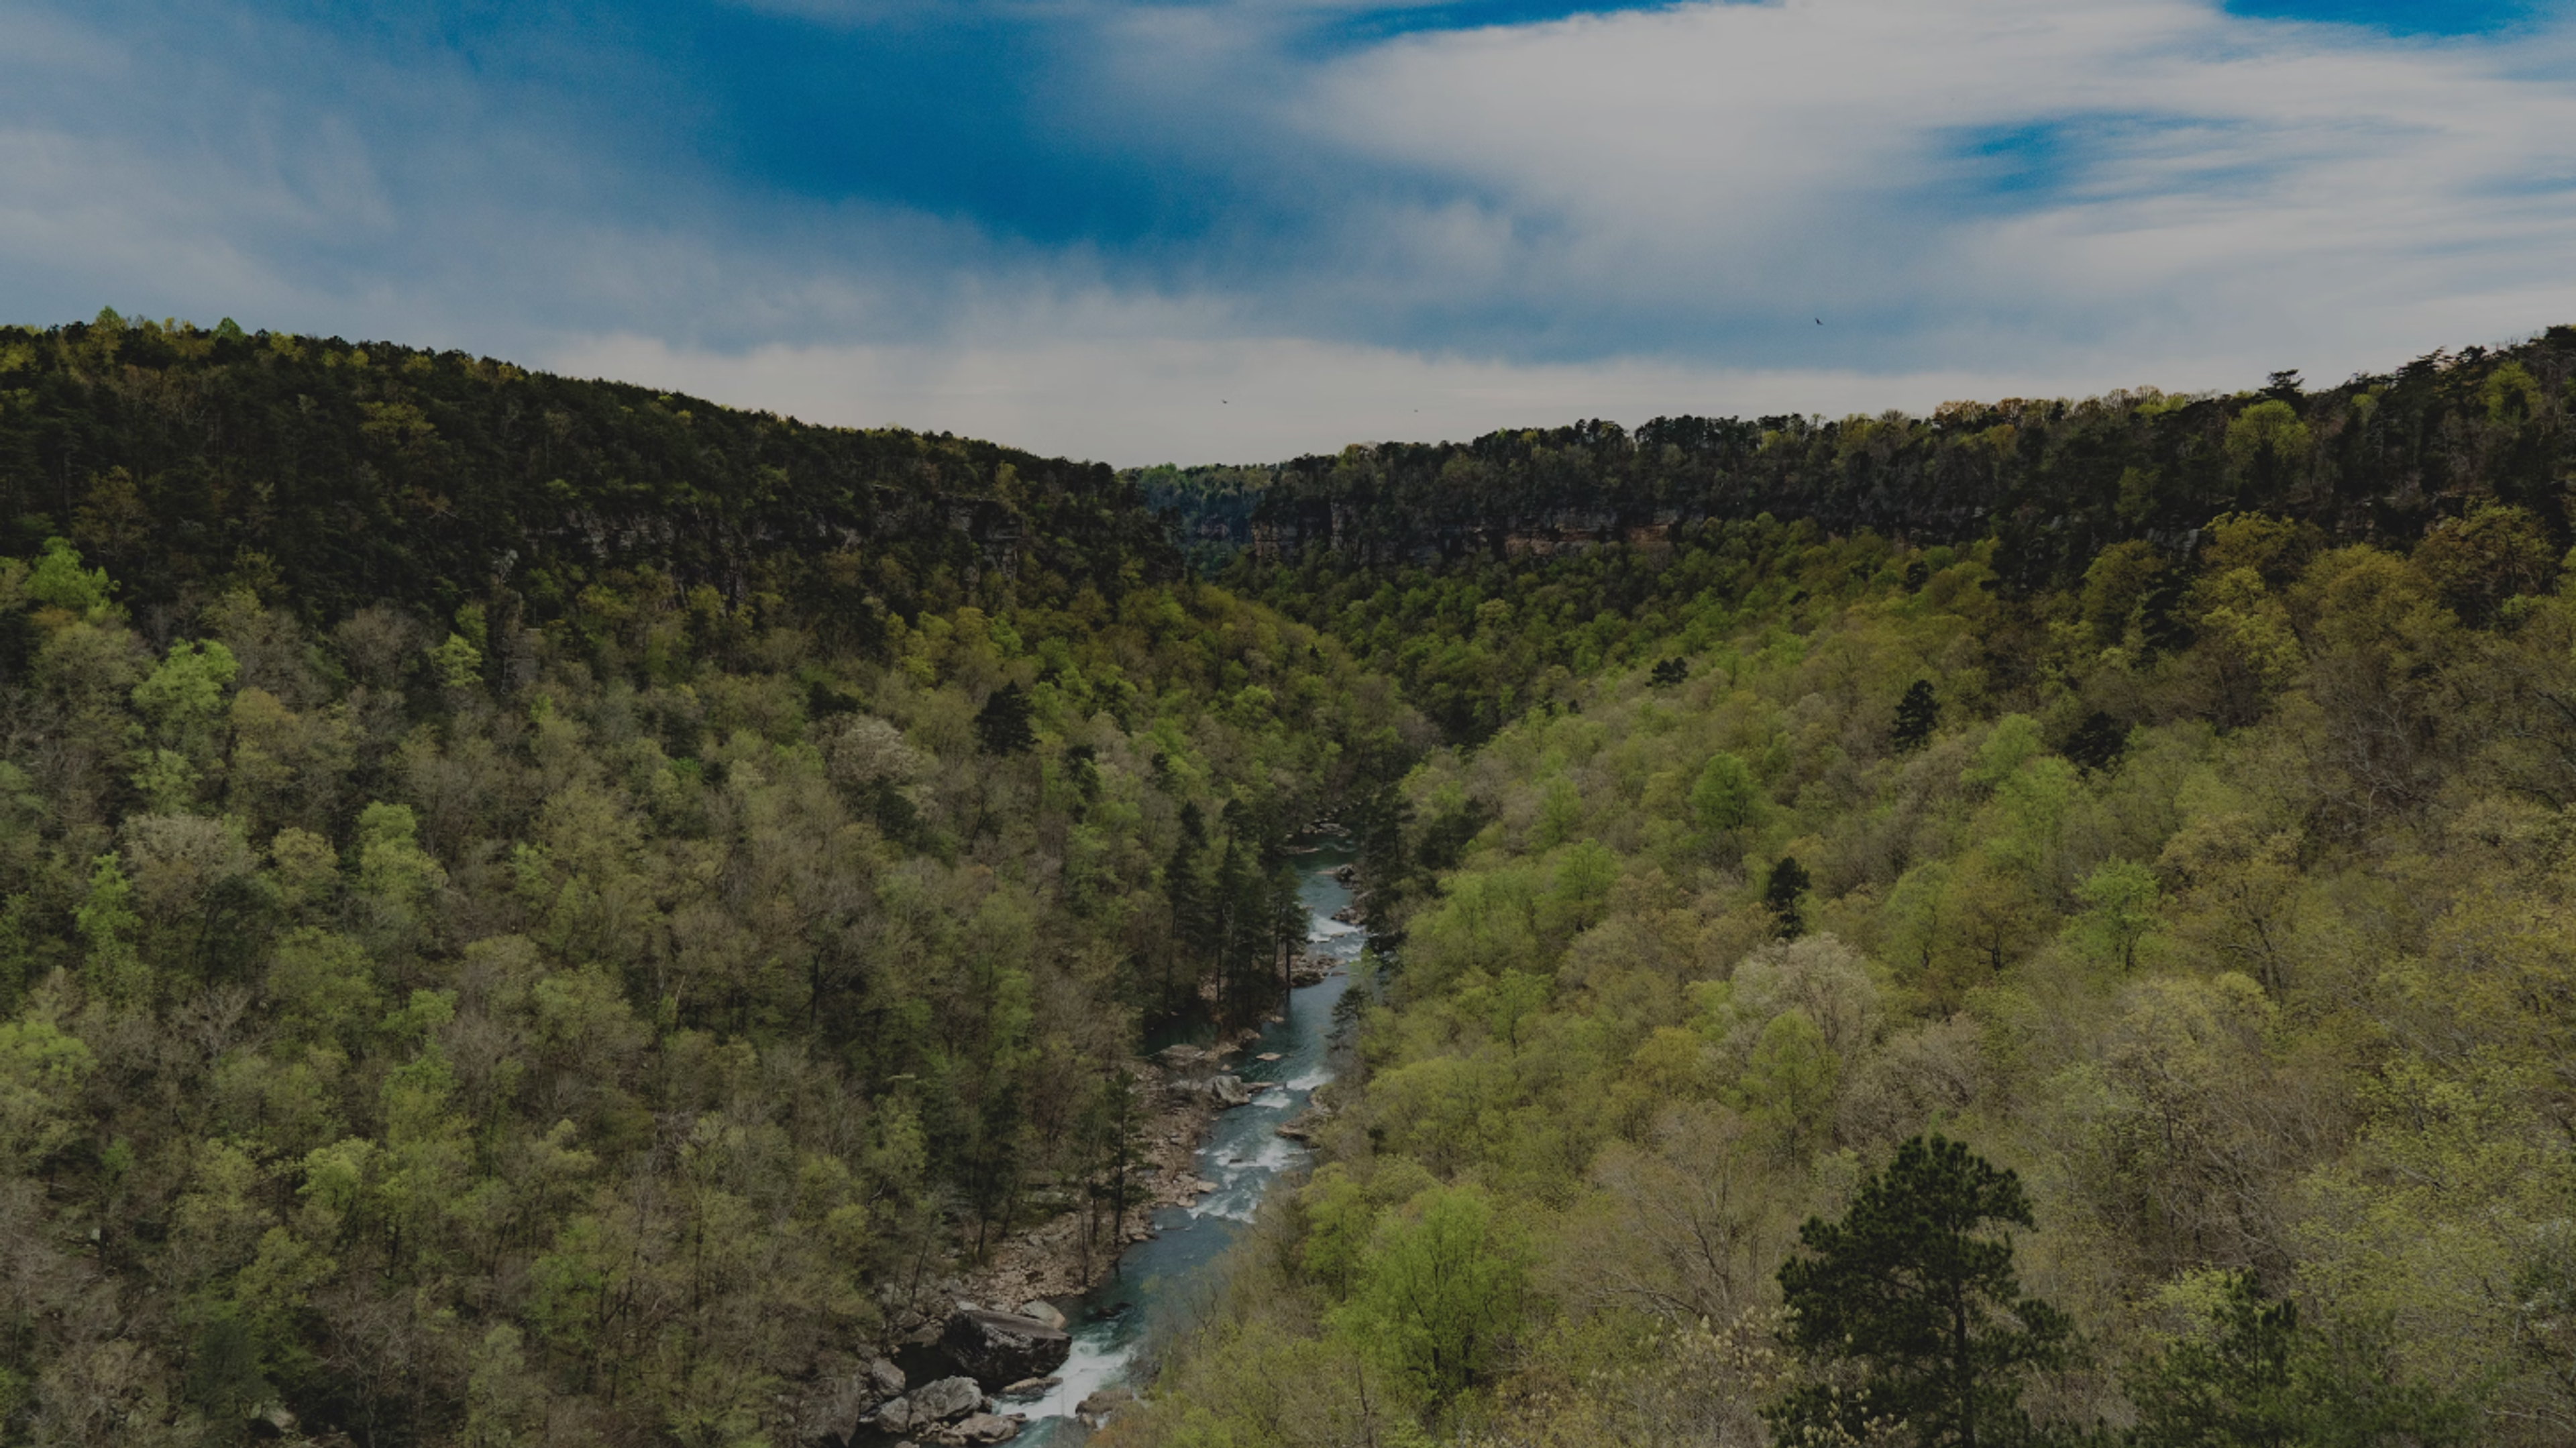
(1133, 384)
(2256, 181)
(1615, 216)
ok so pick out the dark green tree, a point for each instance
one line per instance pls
(1788, 888)
(2098, 742)
(1910, 1307)
(1917, 714)
(1002, 725)
(2264, 1379)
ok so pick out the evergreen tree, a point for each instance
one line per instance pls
(1914, 1294)
(1917, 714)
(1788, 887)
(2264, 1378)
(1002, 725)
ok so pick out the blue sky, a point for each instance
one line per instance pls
(1237, 229)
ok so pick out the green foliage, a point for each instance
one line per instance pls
(611, 1012)
(1437, 1294)
(1725, 796)
(2260, 1376)
(1916, 1292)
(58, 581)
(1917, 715)
(1784, 894)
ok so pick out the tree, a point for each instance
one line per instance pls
(1002, 725)
(2264, 1379)
(1914, 1294)
(1917, 715)
(1440, 1289)
(1788, 885)
(2098, 742)
(1725, 796)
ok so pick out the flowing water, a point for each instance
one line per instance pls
(1243, 1155)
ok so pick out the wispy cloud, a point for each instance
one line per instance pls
(1062, 221)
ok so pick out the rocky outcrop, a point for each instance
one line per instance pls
(1043, 1311)
(832, 1415)
(997, 1348)
(982, 1428)
(1228, 1091)
(1095, 1409)
(928, 1406)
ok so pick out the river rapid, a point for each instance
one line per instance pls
(1243, 1155)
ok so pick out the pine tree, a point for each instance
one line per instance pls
(1002, 725)
(1917, 714)
(1915, 1295)
(1788, 886)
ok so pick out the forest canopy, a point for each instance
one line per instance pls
(542, 911)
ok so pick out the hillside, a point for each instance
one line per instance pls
(2168, 808)
(537, 911)
(532, 910)
(1583, 531)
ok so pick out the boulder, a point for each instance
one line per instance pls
(892, 1417)
(1043, 1311)
(884, 1377)
(985, 1428)
(1095, 1409)
(1028, 1387)
(1181, 1057)
(1228, 1091)
(833, 1413)
(1002, 1347)
(940, 1401)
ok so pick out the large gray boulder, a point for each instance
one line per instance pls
(831, 1416)
(928, 1406)
(1228, 1091)
(998, 1348)
(1043, 1311)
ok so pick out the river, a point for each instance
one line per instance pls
(1243, 1155)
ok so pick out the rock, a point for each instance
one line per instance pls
(1228, 1091)
(1181, 1057)
(1095, 1410)
(986, 1428)
(1029, 1387)
(833, 1413)
(1267, 1056)
(884, 1376)
(893, 1417)
(1001, 1347)
(1044, 1311)
(945, 1399)
(1302, 1126)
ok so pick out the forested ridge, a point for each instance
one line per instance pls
(2076, 948)
(1445, 529)
(533, 910)
(538, 911)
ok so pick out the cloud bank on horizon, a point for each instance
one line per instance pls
(1232, 230)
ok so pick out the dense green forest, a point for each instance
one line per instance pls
(537, 911)
(2101, 972)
